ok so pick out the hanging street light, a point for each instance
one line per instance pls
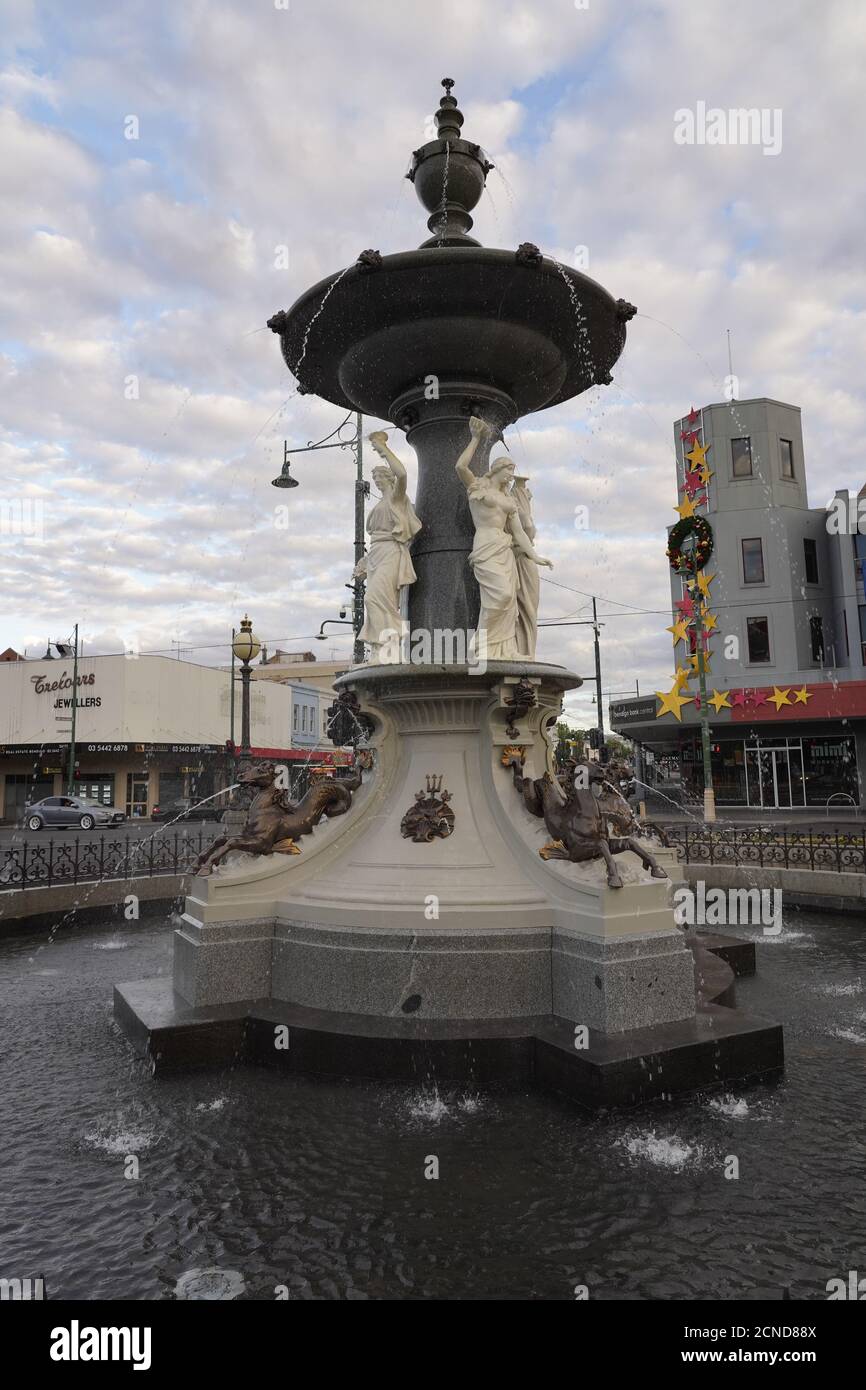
(338, 440)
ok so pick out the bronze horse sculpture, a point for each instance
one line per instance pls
(274, 822)
(579, 817)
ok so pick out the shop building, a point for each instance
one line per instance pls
(786, 680)
(148, 730)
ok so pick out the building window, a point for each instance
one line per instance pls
(810, 552)
(831, 767)
(758, 635)
(295, 718)
(787, 450)
(741, 457)
(753, 561)
(303, 719)
(816, 636)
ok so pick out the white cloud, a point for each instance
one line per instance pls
(261, 128)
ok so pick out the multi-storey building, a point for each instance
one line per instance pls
(786, 682)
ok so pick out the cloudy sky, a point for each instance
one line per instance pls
(148, 266)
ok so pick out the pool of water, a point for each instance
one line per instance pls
(250, 1181)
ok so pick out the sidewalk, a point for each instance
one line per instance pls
(802, 818)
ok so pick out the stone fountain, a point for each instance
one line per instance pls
(433, 927)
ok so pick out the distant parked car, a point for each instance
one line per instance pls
(67, 811)
(184, 808)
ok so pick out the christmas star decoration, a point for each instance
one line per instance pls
(693, 660)
(685, 606)
(779, 697)
(739, 699)
(687, 506)
(802, 697)
(709, 620)
(704, 582)
(689, 436)
(693, 415)
(692, 483)
(681, 677)
(759, 697)
(719, 700)
(706, 473)
(697, 456)
(680, 630)
(672, 702)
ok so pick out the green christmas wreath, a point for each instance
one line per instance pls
(703, 549)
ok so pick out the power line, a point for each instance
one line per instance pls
(717, 607)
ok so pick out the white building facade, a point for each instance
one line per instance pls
(148, 730)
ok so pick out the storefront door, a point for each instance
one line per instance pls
(136, 795)
(775, 776)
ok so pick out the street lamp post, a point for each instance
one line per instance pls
(245, 648)
(355, 442)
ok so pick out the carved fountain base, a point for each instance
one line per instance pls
(424, 929)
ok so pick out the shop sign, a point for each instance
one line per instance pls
(43, 685)
(641, 711)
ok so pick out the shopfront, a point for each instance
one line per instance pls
(778, 772)
(149, 731)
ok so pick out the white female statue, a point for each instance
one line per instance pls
(528, 581)
(387, 566)
(498, 533)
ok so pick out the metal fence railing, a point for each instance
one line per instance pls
(766, 847)
(46, 863)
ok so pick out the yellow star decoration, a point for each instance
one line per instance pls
(693, 660)
(779, 697)
(682, 677)
(697, 456)
(802, 697)
(686, 508)
(704, 582)
(719, 700)
(672, 702)
(709, 619)
(706, 473)
(680, 630)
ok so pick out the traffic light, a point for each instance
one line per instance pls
(593, 738)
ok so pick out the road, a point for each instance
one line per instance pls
(136, 830)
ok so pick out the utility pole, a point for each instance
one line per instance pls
(70, 779)
(360, 498)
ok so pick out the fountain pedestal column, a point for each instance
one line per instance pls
(436, 420)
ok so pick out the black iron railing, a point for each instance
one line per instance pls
(768, 848)
(45, 863)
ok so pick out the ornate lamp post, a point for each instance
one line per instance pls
(246, 647)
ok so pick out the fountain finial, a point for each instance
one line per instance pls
(448, 118)
(449, 175)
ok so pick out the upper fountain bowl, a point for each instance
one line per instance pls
(514, 323)
(513, 329)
